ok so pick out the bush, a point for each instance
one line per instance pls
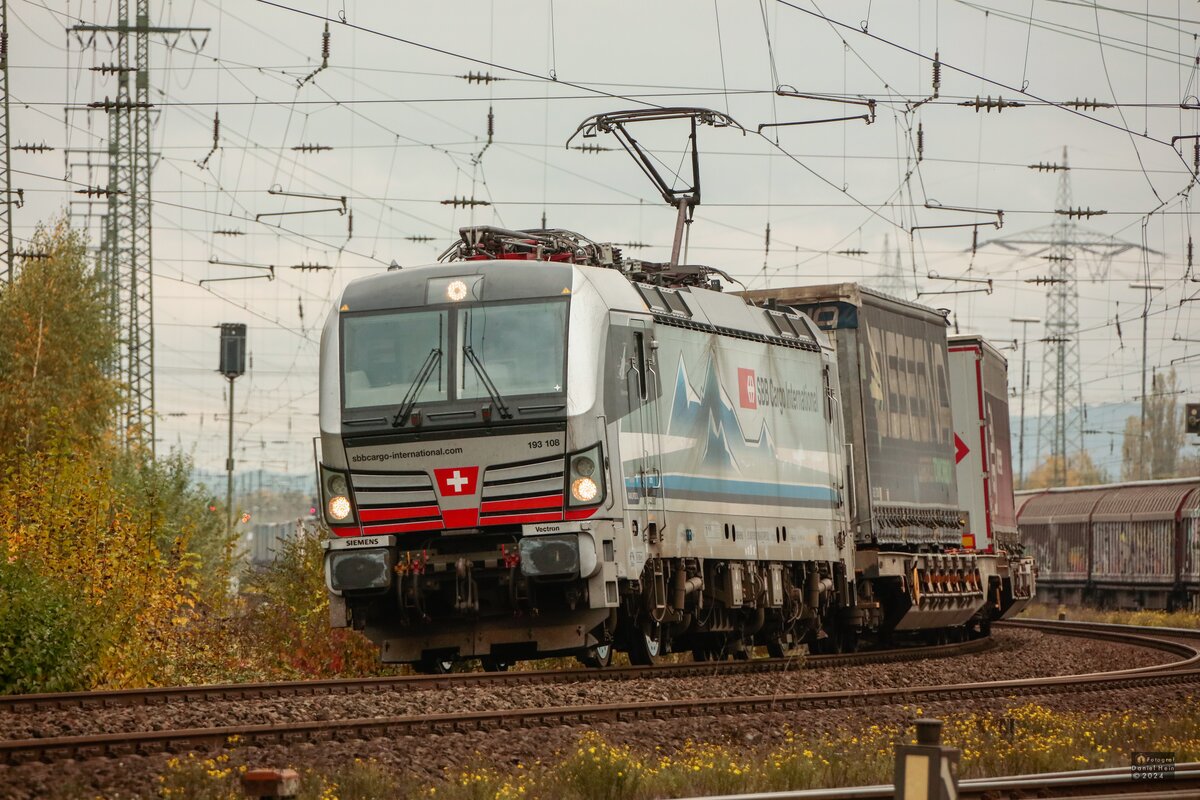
(288, 616)
(46, 633)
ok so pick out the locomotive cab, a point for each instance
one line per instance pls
(462, 462)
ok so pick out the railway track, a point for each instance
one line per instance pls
(410, 683)
(1184, 672)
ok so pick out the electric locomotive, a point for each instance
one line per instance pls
(540, 448)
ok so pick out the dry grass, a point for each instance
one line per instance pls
(1172, 619)
(1023, 739)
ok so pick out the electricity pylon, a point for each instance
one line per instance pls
(6, 208)
(1064, 244)
(126, 255)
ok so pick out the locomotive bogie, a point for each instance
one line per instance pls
(925, 590)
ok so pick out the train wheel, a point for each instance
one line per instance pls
(434, 666)
(829, 645)
(494, 664)
(644, 649)
(598, 656)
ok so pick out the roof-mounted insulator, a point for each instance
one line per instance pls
(987, 104)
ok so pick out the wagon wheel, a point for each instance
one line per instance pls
(598, 656)
(434, 666)
(644, 648)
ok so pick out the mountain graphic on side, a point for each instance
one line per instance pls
(708, 416)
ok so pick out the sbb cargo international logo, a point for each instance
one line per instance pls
(754, 391)
(747, 388)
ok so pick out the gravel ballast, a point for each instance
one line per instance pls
(1019, 654)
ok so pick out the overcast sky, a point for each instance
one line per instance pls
(407, 130)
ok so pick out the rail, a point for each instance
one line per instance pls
(252, 691)
(1185, 672)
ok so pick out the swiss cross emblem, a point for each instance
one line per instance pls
(457, 480)
(747, 386)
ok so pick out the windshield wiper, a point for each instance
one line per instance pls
(486, 380)
(410, 399)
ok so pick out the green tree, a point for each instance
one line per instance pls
(117, 544)
(56, 337)
(1154, 451)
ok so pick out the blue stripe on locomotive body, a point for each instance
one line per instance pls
(729, 490)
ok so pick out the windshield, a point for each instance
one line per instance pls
(521, 347)
(384, 353)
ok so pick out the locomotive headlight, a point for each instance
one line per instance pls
(339, 507)
(584, 490)
(456, 291)
(585, 480)
(337, 484)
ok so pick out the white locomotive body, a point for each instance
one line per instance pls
(540, 449)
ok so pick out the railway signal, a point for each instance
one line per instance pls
(1192, 418)
(232, 366)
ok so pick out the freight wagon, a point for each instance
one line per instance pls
(983, 456)
(896, 385)
(1124, 545)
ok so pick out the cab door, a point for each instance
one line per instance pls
(644, 390)
(632, 391)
